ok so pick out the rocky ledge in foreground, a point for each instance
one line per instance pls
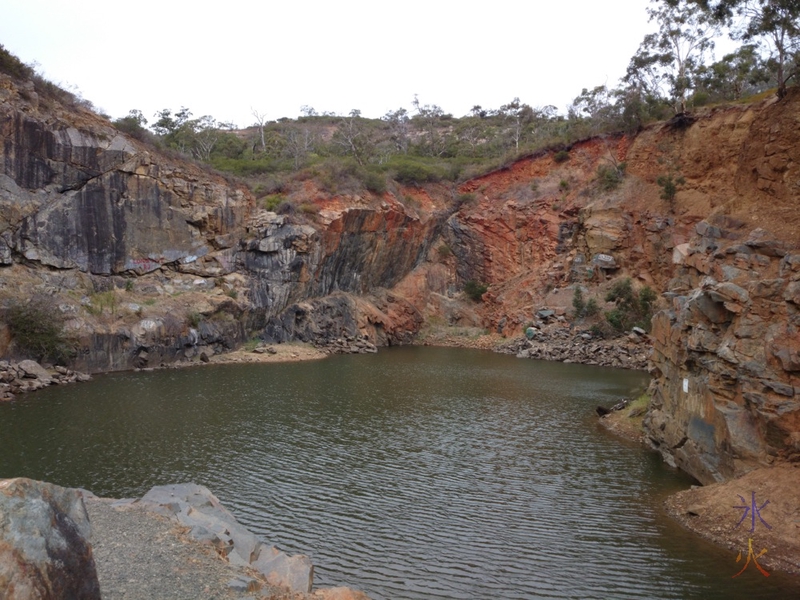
(162, 544)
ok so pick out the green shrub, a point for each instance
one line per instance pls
(194, 319)
(669, 186)
(272, 201)
(632, 308)
(11, 65)
(561, 156)
(37, 327)
(475, 290)
(465, 198)
(102, 301)
(563, 185)
(592, 308)
(610, 176)
(308, 208)
(411, 169)
(578, 303)
(597, 331)
(375, 182)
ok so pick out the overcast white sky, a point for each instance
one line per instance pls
(223, 58)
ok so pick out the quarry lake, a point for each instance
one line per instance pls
(416, 473)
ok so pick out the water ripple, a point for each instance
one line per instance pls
(414, 474)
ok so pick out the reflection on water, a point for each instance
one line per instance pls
(416, 473)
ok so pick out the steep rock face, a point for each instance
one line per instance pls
(151, 260)
(383, 319)
(82, 196)
(726, 354)
(365, 249)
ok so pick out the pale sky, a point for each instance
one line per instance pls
(228, 57)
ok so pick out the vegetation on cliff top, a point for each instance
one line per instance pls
(672, 71)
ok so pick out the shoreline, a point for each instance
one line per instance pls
(703, 510)
(710, 511)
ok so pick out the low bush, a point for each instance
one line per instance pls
(475, 290)
(11, 65)
(37, 328)
(610, 176)
(632, 308)
(669, 186)
(411, 169)
(272, 201)
(561, 156)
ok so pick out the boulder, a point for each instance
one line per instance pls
(44, 549)
(294, 572)
(34, 370)
(339, 593)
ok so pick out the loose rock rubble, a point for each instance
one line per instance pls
(350, 344)
(560, 343)
(29, 376)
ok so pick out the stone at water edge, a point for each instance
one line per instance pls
(44, 549)
(34, 370)
(295, 572)
(339, 593)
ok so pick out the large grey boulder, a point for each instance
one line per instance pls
(44, 548)
(34, 370)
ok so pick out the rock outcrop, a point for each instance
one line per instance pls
(152, 260)
(727, 355)
(195, 507)
(45, 552)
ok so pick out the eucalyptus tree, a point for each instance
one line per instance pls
(355, 137)
(773, 23)
(672, 56)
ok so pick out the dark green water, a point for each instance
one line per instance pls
(417, 473)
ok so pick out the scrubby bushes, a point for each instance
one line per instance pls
(475, 290)
(632, 308)
(37, 328)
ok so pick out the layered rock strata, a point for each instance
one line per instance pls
(727, 354)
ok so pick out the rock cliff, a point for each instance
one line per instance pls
(727, 355)
(152, 259)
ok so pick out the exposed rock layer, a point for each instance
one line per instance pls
(727, 356)
(45, 552)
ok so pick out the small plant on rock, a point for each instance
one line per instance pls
(578, 303)
(669, 186)
(610, 176)
(561, 156)
(475, 290)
